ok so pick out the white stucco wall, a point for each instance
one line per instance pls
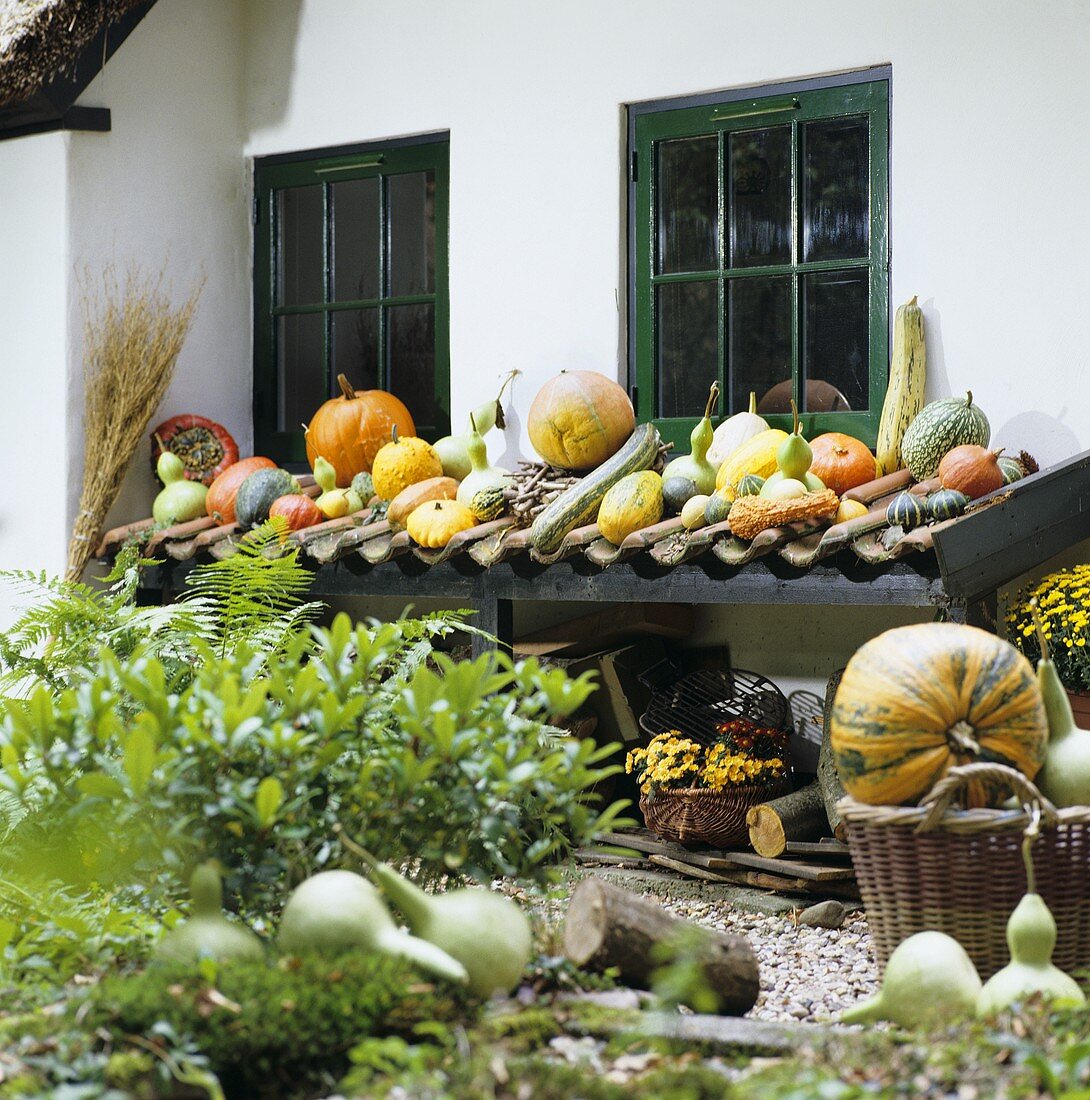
(33, 354)
(168, 188)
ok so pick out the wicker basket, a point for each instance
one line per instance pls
(698, 815)
(961, 871)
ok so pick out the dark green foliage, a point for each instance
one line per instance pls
(277, 1030)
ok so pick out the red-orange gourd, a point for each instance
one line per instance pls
(220, 502)
(298, 510)
(347, 431)
(580, 419)
(972, 470)
(841, 461)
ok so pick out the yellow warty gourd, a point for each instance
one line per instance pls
(904, 396)
(755, 456)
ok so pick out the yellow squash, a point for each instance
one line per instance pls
(904, 395)
(633, 503)
(756, 456)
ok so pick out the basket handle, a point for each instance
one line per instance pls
(942, 794)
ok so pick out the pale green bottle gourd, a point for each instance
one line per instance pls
(486, 932)
(179, 500)
(929, 982)
(1064, 778)
(695, 465)
(1031, 937)
(336, 911)
(208, 934)
(453, 450)
(793, 457)
(482, 475)
(333, 502)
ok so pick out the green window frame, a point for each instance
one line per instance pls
(785, 107)
(377, 309)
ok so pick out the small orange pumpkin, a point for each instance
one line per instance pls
(298, 510)
(580, 419)
(347, 431)
(220, 502)
(842, 461)
(972, 470)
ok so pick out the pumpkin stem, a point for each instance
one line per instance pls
(393, 434)
(795, 414)
(752, 402)
(346, 387)
(501, 420)
(960, 736)
(913, 300)
(1027, 854)
(968, 398)
(713, 396)
(1039, 626)
(473, 423)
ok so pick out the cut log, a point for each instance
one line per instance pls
(799, 815)
(607, 927)
(831, 789)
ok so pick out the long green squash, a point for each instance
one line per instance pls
(904, 395)
(578, 505)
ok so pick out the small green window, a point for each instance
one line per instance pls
(350, 277)
(760, 257)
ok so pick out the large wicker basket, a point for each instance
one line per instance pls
(698, 815)
(961, 871)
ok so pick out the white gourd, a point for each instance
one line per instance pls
(734, 431)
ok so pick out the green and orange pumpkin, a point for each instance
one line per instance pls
(919, 700)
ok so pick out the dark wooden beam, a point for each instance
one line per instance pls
(88, 119)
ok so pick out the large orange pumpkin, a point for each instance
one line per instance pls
(348, 430)
(919, 700)
(842, 461)
(220, 502)
(580, 419)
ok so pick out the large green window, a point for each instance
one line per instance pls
(350, 277)
(759, 247)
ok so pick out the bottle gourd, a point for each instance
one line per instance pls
(695, 466)
(792, 477)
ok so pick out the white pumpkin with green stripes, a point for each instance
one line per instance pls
(939, 427)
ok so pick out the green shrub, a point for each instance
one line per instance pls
(257, 758)
(275, 1030)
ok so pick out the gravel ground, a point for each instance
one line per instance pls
(809, 974)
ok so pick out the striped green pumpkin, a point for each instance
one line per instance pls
(1012, 469)
(919, 700)
(940, 427)
(946, 504)
(487, 504)
(750, 485)
(906, 510)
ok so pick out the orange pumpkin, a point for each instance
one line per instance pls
(972, 470)
(220, 502)
(580, 419)
(842, 461)
(348, 430)
(298, 510)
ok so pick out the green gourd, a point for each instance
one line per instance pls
(333, 502)
(1011, 468)
(793, 458)
(750, 485)
(482, 475)
(257, 493)
(453, 450)
(946, 504)
(929, 982)
(906, 510)
(179, 500)
(1031, 937)
(940, 427)
(695, 466)
(363, 486)
(486, 932)
(717, 510)
(208, 934)
(1064, 778)
(676, 491)
(337, 911)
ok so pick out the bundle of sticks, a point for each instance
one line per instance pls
(537, 484)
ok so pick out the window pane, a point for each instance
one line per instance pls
(759, 316)
(687, 215)
(836, 203)
(412, 233)
(760, 197)
(688, 343)
(836, 341)
(356, 235)
(299, 220)
(355, 347)
(300, 368)
(411, 342)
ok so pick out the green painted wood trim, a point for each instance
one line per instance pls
(289, 446)
(870, 98)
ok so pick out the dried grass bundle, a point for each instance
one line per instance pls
(132, 338)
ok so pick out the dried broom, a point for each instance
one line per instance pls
(132, 338)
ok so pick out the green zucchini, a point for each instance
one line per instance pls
(578, 506)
